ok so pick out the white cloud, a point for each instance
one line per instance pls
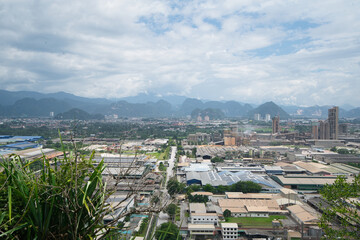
(293, 52)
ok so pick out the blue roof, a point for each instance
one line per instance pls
(20, 145)
(29, 138)
(5, 136)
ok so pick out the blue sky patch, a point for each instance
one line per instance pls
(214, 22)
(282, 48)
(300, 25)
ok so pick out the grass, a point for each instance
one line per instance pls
(177, 214)
(143, 228)
(164, 179)
(259, 222)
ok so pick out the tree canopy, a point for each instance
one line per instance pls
(227, 213)
(168, 231)
(341, 219)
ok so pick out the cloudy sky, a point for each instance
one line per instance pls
(288, 51)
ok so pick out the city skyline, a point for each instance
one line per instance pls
(292, 53)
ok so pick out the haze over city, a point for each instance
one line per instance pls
(290, 52)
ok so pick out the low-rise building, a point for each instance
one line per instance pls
(229, 231)
(205, 230)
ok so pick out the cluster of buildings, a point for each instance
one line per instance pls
(328, 129)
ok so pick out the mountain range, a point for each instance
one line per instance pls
(35, 104)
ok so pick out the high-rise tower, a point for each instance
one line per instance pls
(333, 119)
(276, 124)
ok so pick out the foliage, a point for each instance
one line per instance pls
(175, 187)
(343, 208)
(241, 186)
(192, 188)
(217, 159)
(343, 151)
(67, 201)
(193, 152)
(198, 198)
(168, 231)
(65, 198)
(162, 167)
(171, 209)
(227, 213)
(245, 187)
(209, 188)
(143, 227)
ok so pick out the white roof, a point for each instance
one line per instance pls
(229, 225)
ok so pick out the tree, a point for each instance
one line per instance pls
(174, 186)
(168, 231)
(217, 159)
(171, 210)
(245, 187)
(193, 152)
(227, 213)
(209, 188)
(342, 210)
(198, 198)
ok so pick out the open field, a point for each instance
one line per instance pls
(258, 222)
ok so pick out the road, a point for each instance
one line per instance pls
(164, 217)
(170, 171)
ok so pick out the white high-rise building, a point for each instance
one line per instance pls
(267, 118)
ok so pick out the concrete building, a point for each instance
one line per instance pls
(250, 207)
(324, 130)
(304, 182)
(276, 125)
(315, 132)
(257, 117)
(199, 138)
(267, 117)
(204, 218)
(333, 119)
(229, 231)
(205, 231)
(302, 216)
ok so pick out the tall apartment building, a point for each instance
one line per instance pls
(324, 130)
(276, 124)
(315, 132)
(329, 129)
(267, 117)
(333, 119)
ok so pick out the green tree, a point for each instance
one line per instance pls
(222, 189)
(217, 159)
(171, 210)
(168, 231)
(227, 213)
(209, 188)
(343, 210)
(193, 152)
(175, 187)
(198, 198)
(343, 151)
(245, 187)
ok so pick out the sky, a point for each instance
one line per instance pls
(290, 52)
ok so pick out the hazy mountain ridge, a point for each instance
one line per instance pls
(34, 104)
(269, 108)
(78, 114)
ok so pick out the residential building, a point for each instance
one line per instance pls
(229, 231)
(276, 125)
(333, 119)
